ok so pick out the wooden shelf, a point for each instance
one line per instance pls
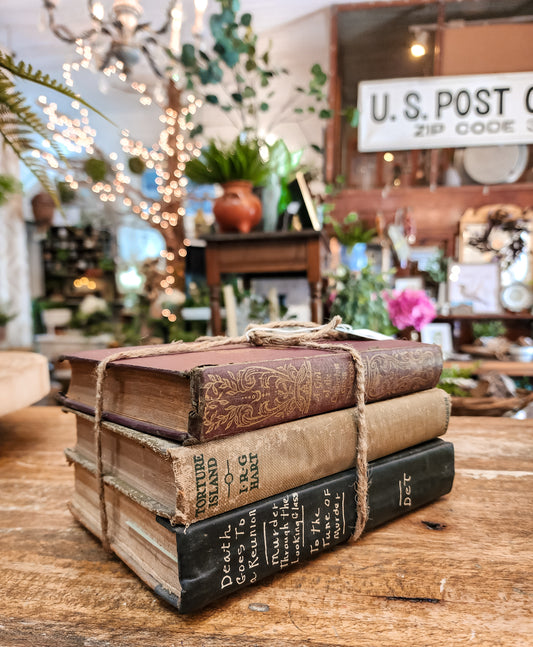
(502, 316)
(504, 367)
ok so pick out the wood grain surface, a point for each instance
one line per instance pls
(458, 572)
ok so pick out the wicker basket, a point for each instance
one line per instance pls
(490, 406)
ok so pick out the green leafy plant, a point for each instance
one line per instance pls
(93, 323)
(316, 94)
(6, 314)
(96, 169)
(236, 59)
(455, 380)
(358, 298)
(106, 264)
(284, 164)
(238, 77)
(136, 165)
(197, 295)
(8, 186)
(66, 193)
(491, 328)
(351, 230)
(220, 163)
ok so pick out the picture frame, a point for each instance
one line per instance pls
(307, 212)
(379, 257)
(409, 283)
(474, 286)
(440, 334)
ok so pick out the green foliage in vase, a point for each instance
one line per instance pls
(20, 125)
(351, 230)
(284, 164)
(357, 298)
(220, 163)
(237, 76)
(236, 58)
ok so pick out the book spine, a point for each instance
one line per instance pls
(236, 398)
(225, 553)
(222, 475)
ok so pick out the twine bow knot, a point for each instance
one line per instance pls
(279, 333)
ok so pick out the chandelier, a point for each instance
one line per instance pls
(119, 40)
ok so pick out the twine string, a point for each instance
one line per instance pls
(278, 333)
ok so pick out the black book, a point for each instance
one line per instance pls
(195, 565)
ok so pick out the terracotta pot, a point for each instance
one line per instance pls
(43, 208)
(238, 209)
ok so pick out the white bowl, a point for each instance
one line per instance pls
(56, 317)
(521, 353)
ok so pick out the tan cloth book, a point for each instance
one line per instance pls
(199, 481)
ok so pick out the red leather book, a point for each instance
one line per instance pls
(234, 389)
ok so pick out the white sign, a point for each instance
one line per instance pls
(445, 112)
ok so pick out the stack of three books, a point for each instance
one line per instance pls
(222, 467)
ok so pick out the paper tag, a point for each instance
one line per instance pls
(361, 333)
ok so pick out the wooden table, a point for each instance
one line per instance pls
(484, 366)
(458, 572)
(278, 253)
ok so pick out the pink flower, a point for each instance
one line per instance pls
(410, 308)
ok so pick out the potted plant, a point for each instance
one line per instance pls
(237, 167)
(353, 236)
(8, 186)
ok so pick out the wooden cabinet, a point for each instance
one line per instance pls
(517, 325)
(279, 253)
(77, 261)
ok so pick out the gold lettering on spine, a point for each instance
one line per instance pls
(201, 484)
(404, 486)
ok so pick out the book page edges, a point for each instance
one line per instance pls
(129, 519)
(141, 498)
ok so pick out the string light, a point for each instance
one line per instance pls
(174, 143)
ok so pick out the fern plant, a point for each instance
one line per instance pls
(19, 124)
(220, 163)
